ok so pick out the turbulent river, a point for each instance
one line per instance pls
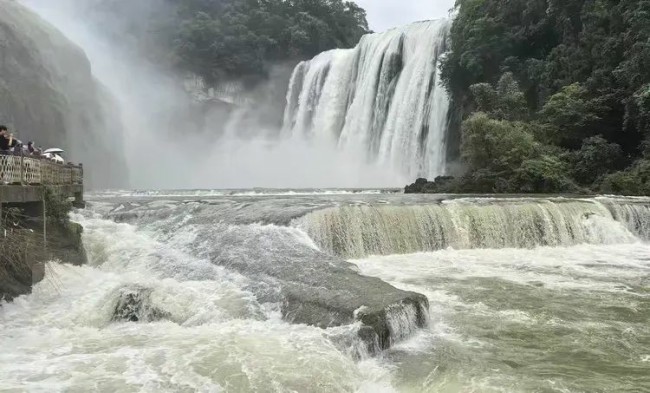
(321, 291)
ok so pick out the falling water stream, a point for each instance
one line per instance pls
(382, 100)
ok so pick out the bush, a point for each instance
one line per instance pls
(496, 145)
(633, 181)
(57, 208)
(546, 174)
(596, 158)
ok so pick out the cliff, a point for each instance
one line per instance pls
(21, 262)
(48, 94)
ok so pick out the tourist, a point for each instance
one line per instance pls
(12, 142)
(4, 139)
(16, 146)
(30, 148)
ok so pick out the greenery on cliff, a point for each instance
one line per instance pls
(225, 39)
(243, 37)
(554, 96)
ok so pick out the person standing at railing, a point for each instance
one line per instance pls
(4, 139)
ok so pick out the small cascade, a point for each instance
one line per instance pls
(382, 100)
(359, 231)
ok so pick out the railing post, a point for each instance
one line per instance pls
(22, 168)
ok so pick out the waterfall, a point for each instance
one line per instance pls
(359, 231)
(382, 99)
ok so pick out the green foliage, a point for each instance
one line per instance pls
(239, 38)
(573, 76)
(57, 208)
(570, 115)
(633, 181)
(497, 145)
(596, 158)
(506, 101)
(546, 174)
(228, 39)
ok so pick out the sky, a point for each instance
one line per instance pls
(385, 14)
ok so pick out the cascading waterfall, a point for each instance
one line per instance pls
(359, 231)
(382, 99)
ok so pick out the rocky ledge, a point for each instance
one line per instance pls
(21, 264)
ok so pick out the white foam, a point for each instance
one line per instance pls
(213, 336)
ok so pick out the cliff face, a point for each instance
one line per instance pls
(21, 264)
(48, 94)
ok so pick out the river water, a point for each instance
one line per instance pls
(525, 295)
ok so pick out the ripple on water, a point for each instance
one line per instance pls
(573, 319)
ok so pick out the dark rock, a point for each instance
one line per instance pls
(14, 283)
(416, 187)
(63, 244)
(441, 185)
(387, 314)
(315, 288)
(134, 305)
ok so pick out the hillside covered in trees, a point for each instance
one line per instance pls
(225, 39)
(553, 96)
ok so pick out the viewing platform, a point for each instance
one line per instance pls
(23, 178)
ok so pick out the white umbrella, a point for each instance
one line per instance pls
(54, 150)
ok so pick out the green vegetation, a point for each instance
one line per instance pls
(57, 208)
(243, 37)
(225, 39)
(554, 96)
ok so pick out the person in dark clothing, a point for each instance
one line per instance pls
(30, 148)
(4, 138)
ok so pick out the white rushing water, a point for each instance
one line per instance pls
(551, 319)
(382, 100)
(361, 230)
(561, 318)
(215, 336)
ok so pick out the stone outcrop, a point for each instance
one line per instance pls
(21, 264)
(442, 184)
(134, 305)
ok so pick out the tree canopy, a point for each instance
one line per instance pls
(226, 39)
(573, 76)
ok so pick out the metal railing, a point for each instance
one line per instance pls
(26, 170)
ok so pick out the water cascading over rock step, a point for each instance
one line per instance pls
(360, 231)
(382, 99)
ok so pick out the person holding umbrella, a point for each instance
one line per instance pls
(54, 154)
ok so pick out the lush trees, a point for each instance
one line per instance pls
(223, 39)
(233, 38)
(568, 80)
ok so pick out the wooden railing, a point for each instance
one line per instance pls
(25, 170)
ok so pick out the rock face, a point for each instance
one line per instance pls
(48, 94)
(442, 184)
(317, 289)
(17, 275)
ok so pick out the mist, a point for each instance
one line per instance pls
(170, 141)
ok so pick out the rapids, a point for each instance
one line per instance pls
(208, 291)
